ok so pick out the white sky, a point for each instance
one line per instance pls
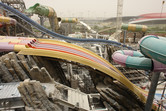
(100, 8)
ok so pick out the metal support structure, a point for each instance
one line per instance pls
(135, 35)
(154, 81)
(119, 19)
(124, 36)
(161, 100)
(52, 23)
(26, 29)
(41, 20)
(20, 6)
(162, 8)
(17, 4)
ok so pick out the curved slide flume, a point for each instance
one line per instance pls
(56, 35)
(154, 47)
(136, 60)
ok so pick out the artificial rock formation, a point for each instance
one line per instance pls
(35, 98)
(15, 67)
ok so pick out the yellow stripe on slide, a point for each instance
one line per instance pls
(78, 48)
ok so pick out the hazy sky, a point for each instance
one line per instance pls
(100, 8)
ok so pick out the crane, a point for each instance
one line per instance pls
(119, 19)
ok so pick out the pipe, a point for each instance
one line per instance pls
(56, 35)
(134, 27)
(152, 90)
(69, 20)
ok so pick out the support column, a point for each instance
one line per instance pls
(124, 36)
(152, 90)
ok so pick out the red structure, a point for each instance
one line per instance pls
(151, 16)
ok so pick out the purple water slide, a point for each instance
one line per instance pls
(4, 46)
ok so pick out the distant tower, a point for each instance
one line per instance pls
(119, 19)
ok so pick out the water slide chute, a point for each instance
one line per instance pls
(154, 47)
(109, 70)
(136, 60)
(67, 51)
(45, 11)
(10, 43)
(69, 20)
(134, 27)
(7, 20)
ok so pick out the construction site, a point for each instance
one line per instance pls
(76, 64)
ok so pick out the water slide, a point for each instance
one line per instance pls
(134, 27)
(152, 56)
(154, 47)
(156, 54)
(9, 43)
(69, 20)
(67, 51)
(56, 35)
(136, 60)
(47, 12)
(62, 50)
(7, 20)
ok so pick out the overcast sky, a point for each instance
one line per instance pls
(100, 8)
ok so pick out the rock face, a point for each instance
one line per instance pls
(14, 68)
(35, 98)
